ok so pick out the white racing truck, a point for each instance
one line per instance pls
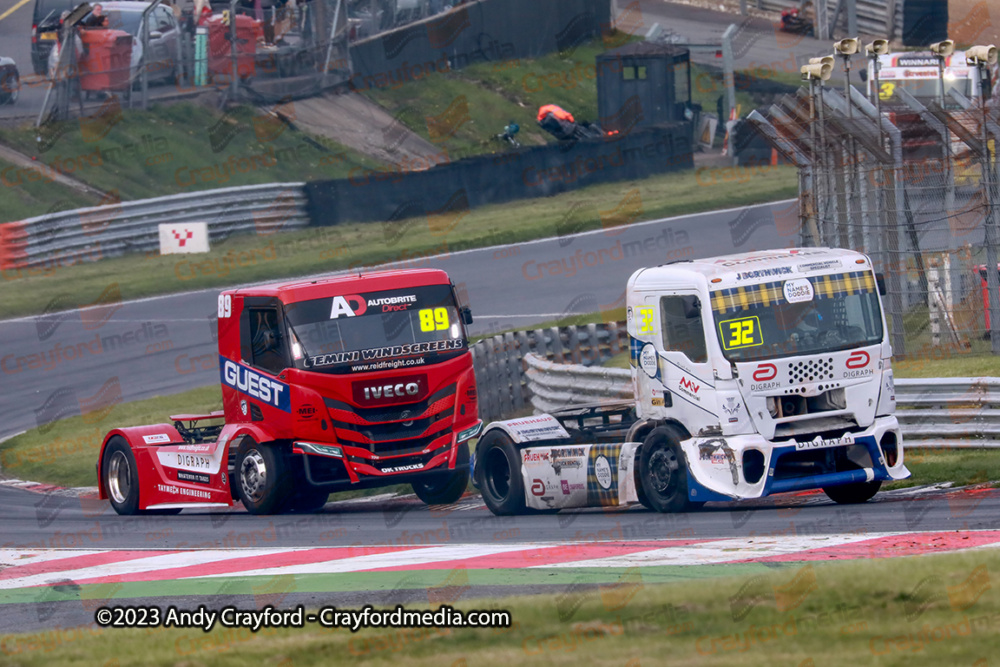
(754, 374)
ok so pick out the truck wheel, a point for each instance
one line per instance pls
(639, 491)
(120, 477)
(263, 483)
(663, 472)
(448, 489)
(851, 494)
(498, 472)
(308, 499)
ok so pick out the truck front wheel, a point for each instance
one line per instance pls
(263, 482)
(498, 474)
(120, 477)
(851, 494)
(663, 472)
(449, 489)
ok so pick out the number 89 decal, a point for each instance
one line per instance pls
(225, 305)
(743, 332)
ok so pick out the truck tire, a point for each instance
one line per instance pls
(448, 489)
(308, 499)
(852, 494)
(263, 482)
(498, 473)
(120, 477)
(639, 491)
(663, 472)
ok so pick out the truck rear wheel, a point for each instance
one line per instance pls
(120, 477)
(663, 472)
(262, 479)
(498, 474)
(449, 489)
(852, 494)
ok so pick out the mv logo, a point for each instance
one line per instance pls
(690, 385)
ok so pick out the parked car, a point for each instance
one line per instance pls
(10, 81)
(164, 36)
(45, 30)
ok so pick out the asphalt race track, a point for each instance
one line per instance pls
(746, 537)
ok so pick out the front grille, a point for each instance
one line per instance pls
(811, 370)
(406, 447)
(807, 429)
(387, 413)
(394, 430)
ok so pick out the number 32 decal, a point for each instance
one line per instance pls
(744, 332)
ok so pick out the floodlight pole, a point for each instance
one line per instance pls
(989, 184)
(949, 183)
(850, 171)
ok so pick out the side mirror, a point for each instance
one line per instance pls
(864, 75)
(156, 34)
(880, 280)
(466, 314)
(692, 308)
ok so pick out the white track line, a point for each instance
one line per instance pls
(723, 551)
(416, 556)
(138, 565)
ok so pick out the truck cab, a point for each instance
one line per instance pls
(917, 73)
(774, 370)
(753, 374)
(358, 381)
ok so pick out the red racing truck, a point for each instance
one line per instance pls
(342, 383)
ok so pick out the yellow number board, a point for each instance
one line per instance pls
(644, 325)
(744, 332)
(434, 319)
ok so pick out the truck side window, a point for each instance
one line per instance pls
(266, 341)
(682, 327)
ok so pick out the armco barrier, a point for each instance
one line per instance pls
(500, 367)
(948, 413)
(67, 237)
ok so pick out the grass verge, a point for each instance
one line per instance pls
(65, 452)
(173, 149)
(462, 109)
(961, 466)
(35, 197)
(242, 259)
(921, 610)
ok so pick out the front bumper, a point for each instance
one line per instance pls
(748, 466)
(342, 466)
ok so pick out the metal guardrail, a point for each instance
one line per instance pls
(872, 15)
(97, 232)
(950, 413)
(500, 367)
(555, 386)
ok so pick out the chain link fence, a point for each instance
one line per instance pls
(911, 182)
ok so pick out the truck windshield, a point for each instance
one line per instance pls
(923, 88)
(373, 331)
(800, 316)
